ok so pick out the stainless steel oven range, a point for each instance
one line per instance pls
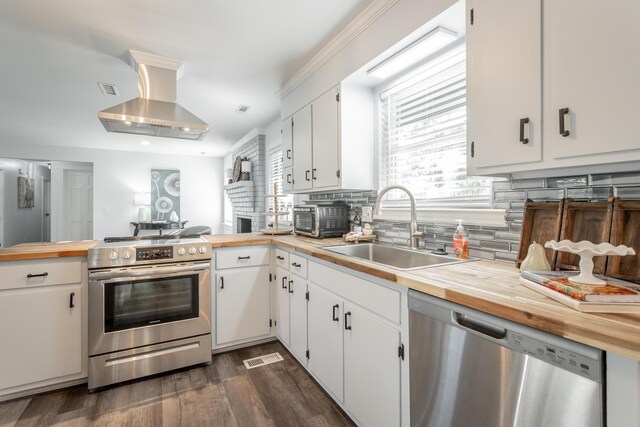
(149, 307)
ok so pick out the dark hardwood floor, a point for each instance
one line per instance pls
(222, 394)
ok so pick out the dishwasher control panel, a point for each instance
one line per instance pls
(554, 355)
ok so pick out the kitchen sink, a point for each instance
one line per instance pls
(393, 256)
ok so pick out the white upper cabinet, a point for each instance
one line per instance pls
(584, 82)
(504, 77)
(302, 149)
(287, 142)
(332, 140)
(592, 69)
(326, 141)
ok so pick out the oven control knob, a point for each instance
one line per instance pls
(192, 250)
(182, 251)
(202, 250)
(113, 255)
(126, 254)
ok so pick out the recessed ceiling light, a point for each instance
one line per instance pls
(186, 129)
(108, 89)
(242, 109)
(128, 123)
(145, 142)
(408, 56)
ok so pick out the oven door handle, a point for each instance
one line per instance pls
(156, 271)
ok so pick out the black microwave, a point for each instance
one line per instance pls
(321, 220)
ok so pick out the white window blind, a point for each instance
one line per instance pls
(285, 203)
(423, 138)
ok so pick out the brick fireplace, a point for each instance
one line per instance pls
(247, 197)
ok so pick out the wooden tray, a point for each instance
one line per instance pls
(625, 230)
(585, 221)
(541, 223)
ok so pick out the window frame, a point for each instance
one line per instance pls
(435, 211)
(284, 220)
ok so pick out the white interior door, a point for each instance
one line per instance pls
(298, 317)
(371, 369)
(46, 210)
(282, 292)
(504, 82)
(77, 212)
(302, 160)
(326, 142)
(325, 339)
(242, 304)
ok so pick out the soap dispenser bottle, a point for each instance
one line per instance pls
(460, 242)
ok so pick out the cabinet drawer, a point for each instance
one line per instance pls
(242, 257)
(282, 259)
(378, 299)
(23, 274)
(298, 265)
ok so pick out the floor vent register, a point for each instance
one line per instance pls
(262, 360)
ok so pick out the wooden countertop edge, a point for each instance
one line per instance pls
(549, 316)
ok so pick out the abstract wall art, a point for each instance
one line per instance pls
(165, 194)
(26, 192)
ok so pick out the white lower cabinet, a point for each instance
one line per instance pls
(371, 368)
(282, 300)
(242, 304)
(354, 347)
(325, 339)
(44, 325)
(41, 335)
(298, 317)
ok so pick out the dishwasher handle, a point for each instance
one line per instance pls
(479, 326)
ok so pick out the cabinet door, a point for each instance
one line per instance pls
(282, 318)
(298, 317)
(591, 67)
(287, 143)
(40, 334)
(302, 161)
(242, 304)
(326, 142)
(504, 82)
(287, 180)
(371, 368)
(325, 339)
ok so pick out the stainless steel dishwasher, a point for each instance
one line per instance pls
(472, 369)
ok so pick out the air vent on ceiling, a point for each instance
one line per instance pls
(242, 109)
(262, 360)
(108, 88)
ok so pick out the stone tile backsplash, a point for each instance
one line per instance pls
(497, 243)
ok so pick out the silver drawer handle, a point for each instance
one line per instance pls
(244, 257)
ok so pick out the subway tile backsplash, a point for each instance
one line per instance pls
(497, 243)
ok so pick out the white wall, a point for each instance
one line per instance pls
(398, 22)
(119, 174)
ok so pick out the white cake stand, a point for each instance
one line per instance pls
(587, 250)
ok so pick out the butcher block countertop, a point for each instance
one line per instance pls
(46, 250)
(488, 286)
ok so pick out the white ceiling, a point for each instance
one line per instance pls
(53, 53)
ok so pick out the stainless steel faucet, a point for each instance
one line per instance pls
(413, 231)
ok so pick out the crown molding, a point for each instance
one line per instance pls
(368, 16)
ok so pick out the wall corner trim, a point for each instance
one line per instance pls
(368, 16)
